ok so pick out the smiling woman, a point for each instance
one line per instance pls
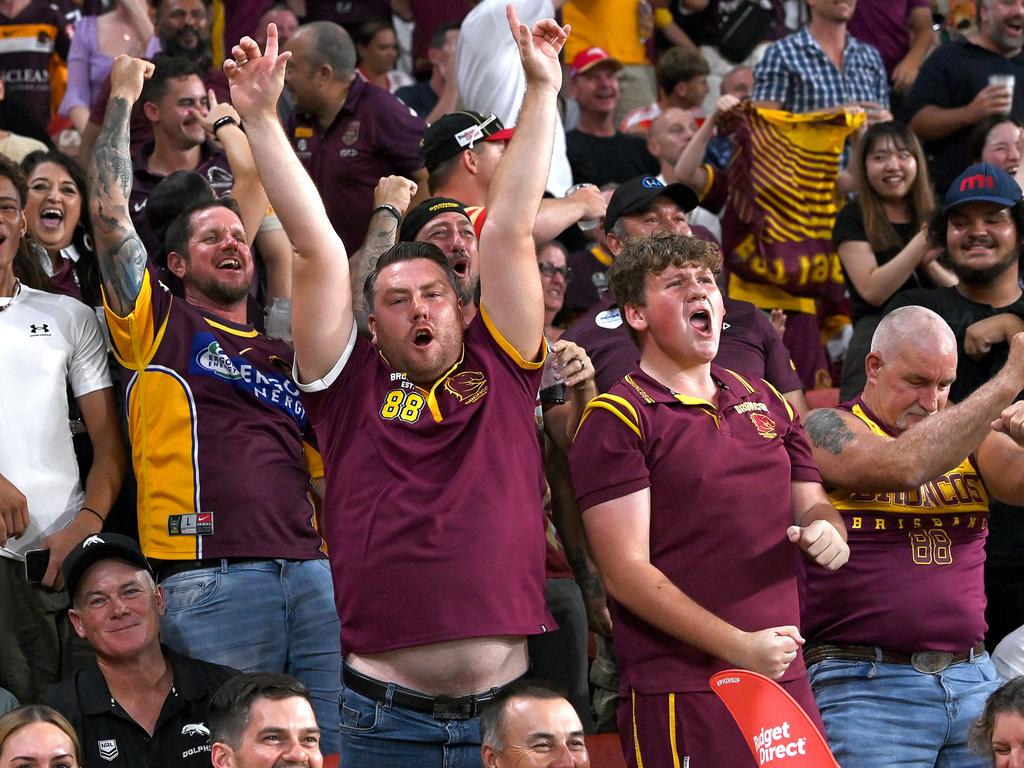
(59, 234)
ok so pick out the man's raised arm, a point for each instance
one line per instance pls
(120, 252)
(322, 317)
(509, 281)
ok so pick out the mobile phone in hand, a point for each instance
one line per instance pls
(36, 562)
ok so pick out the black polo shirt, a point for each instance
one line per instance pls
(111, 738)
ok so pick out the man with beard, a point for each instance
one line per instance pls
(238, 556)
(894, 640)
(980, 230)
(182, 29)
(953, 92)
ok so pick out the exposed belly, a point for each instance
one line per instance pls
(452, 668)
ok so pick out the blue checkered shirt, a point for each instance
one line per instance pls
(797, 73)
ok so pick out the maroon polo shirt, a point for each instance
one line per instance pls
(915, 579)
(720, 484)
(213, 166)
(35, 40)
(373, 135)
(749, 345)
(433, 513)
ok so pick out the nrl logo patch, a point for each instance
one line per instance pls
(108, 749)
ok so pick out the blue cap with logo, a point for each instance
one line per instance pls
(983, 183)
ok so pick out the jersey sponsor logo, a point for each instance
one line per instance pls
(26, 76)
(467, 386)
(609, 319)
(600, 281)
(351, 134)
(108, 749)
(274, 389)
(348, 153)
(303, 132)
(764, 425)
(725, 326)
(195, 729)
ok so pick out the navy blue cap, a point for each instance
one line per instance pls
(637, 194)
(983, 183)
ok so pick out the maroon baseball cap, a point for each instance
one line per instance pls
(592, 57)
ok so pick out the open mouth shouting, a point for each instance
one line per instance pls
(422, 337)
(51, 218)
(700, 321)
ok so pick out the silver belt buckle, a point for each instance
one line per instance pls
(931, 662)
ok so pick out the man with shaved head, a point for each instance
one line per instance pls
(895, 650)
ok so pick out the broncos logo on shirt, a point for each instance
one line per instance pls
(467, 386)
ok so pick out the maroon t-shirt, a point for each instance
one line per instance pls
(720, 484)
(373, 135)
(749, 345)
(433, 512)
(34, 42)
(915, 579)
(216, 431)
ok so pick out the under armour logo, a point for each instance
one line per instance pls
(92, 540)
(37, 329)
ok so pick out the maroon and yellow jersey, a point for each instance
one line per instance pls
(433, 513)
(216, 429)
(720, 481)
(915, 579)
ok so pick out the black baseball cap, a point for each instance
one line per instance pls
(983, 183)
(419, 216)
(100, 546)
(637, 194)
(457, 131)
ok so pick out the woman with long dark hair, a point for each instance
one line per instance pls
(880, 236)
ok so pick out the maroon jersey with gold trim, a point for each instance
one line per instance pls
(915, 579)
(720, 484)
(433, 514)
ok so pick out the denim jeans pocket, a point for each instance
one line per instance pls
(190, 589)
(359, 714)
(834, 671)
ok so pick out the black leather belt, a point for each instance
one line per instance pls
(438, 707)
(164, 569)
(927, 662)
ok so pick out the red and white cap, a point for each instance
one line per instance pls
(592, 57)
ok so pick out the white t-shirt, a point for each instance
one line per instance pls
(47, 342)
(491, 78)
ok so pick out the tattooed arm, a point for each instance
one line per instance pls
(382, 233)
(850, 455)
(121, 255)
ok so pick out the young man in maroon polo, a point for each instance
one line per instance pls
(439, 568)
(695, 483)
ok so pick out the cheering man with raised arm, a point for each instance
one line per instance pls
(238, 555)
(438, 563)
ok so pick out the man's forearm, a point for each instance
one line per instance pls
(381, 234)
(120, 253)
(932, 123)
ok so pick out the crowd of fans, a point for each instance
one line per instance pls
(364, 359)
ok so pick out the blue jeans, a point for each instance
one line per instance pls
(892, 715)
(264, 615)
(381, 735)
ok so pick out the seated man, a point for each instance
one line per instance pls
(695, 483)
(895, 646)
(527, 721)
(139, 703)
(261, 719)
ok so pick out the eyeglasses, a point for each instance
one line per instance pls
(550, 270)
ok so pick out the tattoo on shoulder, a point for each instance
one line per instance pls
(828, 430)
